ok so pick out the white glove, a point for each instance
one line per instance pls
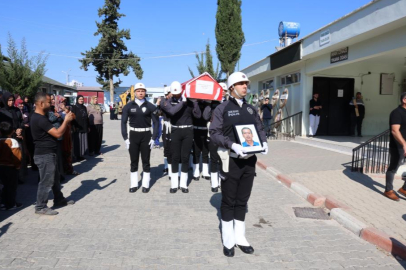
(127, 144)
(265, 147)
(151, 143)
(238, 149)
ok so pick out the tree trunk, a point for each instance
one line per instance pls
(111, 90)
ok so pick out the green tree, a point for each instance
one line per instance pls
(19, 73)
(229, 34)
(205, 64)
(109, 57)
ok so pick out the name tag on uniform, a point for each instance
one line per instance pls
(233, 113)
(133, 110)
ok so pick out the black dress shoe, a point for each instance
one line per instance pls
(245, 249)
(145, 190)
(185, 190)
(133, 189)
(207, 177)
(196, 178)
(173, 190)
(214, 189)
(228, 252)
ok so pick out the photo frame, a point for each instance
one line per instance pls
(248, 137)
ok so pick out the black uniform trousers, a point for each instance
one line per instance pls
(181, 144)
(214, 157)
(236, 188)
(166, 139)
(396, 159)
(356, 121)
(139, 144)
(200, 146)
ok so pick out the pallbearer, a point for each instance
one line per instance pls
(214, 157)
(238, 176)
(180, 111)
(140, 112)
(200, 144)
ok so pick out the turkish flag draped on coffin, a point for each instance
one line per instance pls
(202, 87)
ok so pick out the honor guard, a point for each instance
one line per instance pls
(200, 144)
(140, 112)
(166, 133)
(214, 156)
(238, 170)
(180, 112)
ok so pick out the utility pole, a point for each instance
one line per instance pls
(67, 76)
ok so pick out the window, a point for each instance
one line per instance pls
(290, 78)
(267, 84)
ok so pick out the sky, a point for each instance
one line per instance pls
(165, 34)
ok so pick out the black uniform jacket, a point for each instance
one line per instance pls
(140, 117)
(180, 112)
(228, 114)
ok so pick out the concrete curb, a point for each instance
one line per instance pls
(337, 212)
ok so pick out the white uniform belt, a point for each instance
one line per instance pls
(186, 126)
(203, 128)
(140, 129)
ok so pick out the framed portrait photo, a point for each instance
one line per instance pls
(248, 137)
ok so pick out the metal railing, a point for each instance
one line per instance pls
(373, 155)
(287, 128)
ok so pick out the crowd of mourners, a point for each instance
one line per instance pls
(83, 137)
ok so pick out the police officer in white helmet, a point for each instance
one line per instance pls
(166, 132)
(140, 113)
(180, 111)
(238, 175)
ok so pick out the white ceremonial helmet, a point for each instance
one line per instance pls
(139, 86)
(176, 88)
(167, 90)
(224, 86)
(236, 77)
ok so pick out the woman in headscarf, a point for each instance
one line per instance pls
(67, 145)
(11, 114)
(81, 128)
(95, 137)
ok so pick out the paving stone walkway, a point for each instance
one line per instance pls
(109, 228)
(329, 173)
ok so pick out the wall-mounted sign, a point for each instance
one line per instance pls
(340, 93)
(339, 55)
(325, 37)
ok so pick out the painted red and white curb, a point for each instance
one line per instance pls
(338, 213)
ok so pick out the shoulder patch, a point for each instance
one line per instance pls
(250, 110)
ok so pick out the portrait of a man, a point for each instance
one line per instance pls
(247, 134)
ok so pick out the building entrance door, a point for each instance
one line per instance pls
(335, 95)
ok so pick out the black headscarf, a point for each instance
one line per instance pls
(82, 119)
(10, 114)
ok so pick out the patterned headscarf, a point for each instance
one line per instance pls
(95, 106)
(58, 103)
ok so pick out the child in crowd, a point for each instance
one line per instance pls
(10, 162)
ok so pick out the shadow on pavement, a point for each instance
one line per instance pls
(104, 149)
(87, 187)
(215, 201)
(365, 180)
(5, 228)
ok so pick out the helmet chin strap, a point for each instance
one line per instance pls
(238, 94)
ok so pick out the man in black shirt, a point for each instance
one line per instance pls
(357, 104)
(140, 112)
(397, 147)
(45, 136)
(314, 114)
(266, 115)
